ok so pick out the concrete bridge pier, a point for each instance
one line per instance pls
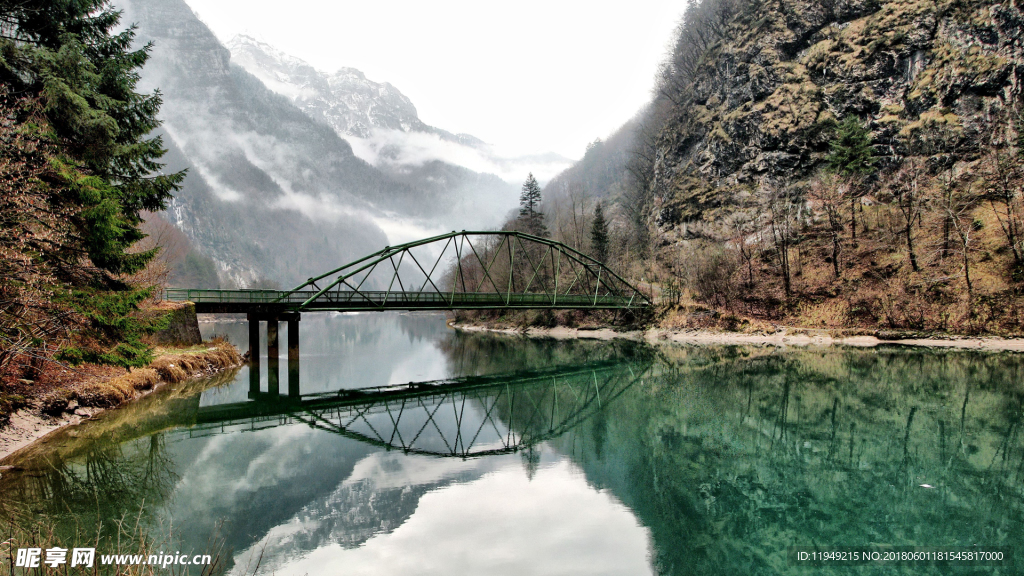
(293, 355)
(273, 359)
(273, 352)
(254, 353)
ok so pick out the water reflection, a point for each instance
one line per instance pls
(519, 456)
(461, 417)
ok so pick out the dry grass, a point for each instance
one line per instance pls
(172, 365)
(23, 529)
(878, 289)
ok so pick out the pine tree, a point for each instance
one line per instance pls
(65, 59)
(599, 235)
(531, 219)
(852, 157)
(83, 166)
(851, 153)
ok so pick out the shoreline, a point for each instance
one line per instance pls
(31, 424)
(799, 337)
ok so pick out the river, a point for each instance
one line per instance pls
(471, 453)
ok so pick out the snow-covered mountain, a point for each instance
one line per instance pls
(380, 122)
(275, 193)
(270, 193)
(346, 100)
(292, 171)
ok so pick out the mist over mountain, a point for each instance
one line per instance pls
(380, 122)
(346, 100)
(274, 192)
(269, 193)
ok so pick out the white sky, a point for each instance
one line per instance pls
(527, 76)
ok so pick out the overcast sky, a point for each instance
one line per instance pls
(527, 76)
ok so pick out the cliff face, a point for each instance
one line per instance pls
(768, 88)
(270, 194)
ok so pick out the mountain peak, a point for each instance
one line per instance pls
(380, 122)
(244, 42)
(346, 100)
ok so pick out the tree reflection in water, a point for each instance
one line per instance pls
(728, 455)
(743, 452)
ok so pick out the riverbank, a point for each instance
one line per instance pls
(71, 395)
(782, 337)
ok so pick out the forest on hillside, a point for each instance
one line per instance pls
(822, 164)
(79, 169)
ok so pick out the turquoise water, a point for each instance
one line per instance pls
(510, 455)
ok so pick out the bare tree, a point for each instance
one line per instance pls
(829, 192)
(578, 202)
(704, 23)
(746, 238)
(643, 155)
(783, 218)
(1004, 180)
(173, 247)
(707, 268)
(909, 198)
(958, 202)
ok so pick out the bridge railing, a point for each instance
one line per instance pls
(384, 299)
(235, 296)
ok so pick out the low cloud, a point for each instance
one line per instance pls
(398, 148)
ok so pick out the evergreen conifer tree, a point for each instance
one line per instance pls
(89, 165)
(64, 57)
(599, 235)
(851, 153)
(852, 157)
(531, 219)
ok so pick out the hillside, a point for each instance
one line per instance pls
(458, 173)
(826, 164)
(772, 82)
(79, 168)
(346, 99)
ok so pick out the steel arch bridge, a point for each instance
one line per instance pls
(455, 271)
(464, 417)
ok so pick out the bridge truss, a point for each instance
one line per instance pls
(460, 270)
(467, 417)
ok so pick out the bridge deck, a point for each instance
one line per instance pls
(350, 301)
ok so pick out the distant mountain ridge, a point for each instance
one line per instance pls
(275, 194)
(380, 122)
(346, 100)
(270, 195)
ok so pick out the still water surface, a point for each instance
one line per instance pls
(550, 457)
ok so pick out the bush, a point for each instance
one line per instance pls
(707, 271)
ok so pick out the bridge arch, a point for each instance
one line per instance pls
(470, 270)
(457, 271)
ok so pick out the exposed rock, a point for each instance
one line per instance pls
(346, 100)
(761, 107)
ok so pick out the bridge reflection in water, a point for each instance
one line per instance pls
(461, 417)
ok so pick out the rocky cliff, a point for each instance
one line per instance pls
(756, 87)
(270, 194)
(346, 99)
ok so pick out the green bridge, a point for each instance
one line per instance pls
(505, 270)
(518, 410)
(456, 271)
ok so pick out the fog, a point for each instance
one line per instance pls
(398, 148)
(276, 195)
(528, 77)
